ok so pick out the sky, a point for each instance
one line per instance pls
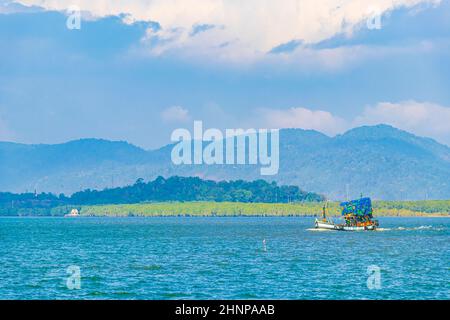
(136, 70)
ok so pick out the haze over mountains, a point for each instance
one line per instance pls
(378, 161)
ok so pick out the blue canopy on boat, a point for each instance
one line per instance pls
(361, 207)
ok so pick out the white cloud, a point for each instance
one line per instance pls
(8, 6)
(303, 118)
(175, 114)
(245, 29)
(422, 118)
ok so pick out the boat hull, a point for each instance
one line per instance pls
(332, 226)
(325, 225)
(367, 228)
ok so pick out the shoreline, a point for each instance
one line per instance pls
(209, 216)
(226, 209)
(430, 209)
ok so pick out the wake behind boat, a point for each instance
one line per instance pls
(357, 214)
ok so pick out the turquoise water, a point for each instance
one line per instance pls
(221, 258)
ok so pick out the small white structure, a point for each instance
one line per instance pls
(73, 213)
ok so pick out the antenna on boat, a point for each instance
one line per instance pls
(325, 210)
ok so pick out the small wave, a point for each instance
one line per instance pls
(174, 295)
(424, 227)
(418, 228)
(123, 293)
(93, 278)
(97, 293)
(151, 267)
(319, 230)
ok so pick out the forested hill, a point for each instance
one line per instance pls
(160, 190)
(379, 161)
(196, 189)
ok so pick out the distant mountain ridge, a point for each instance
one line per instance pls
(378, 161)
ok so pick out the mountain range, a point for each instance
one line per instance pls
(378, 161)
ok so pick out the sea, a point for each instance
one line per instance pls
(221, 258)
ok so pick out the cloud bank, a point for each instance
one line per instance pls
(304, 118)
(236, 29)
(421, 118)
(175, 114)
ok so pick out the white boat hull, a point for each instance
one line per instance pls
(325, 225)
(331, 226)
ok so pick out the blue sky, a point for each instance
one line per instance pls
(134, 75)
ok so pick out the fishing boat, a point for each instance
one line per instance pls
(357, 215)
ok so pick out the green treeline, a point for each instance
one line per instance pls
(195, 189)
(199, 208)
(30, 204)
(381, 208)
(180, 196)
(160, 190)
